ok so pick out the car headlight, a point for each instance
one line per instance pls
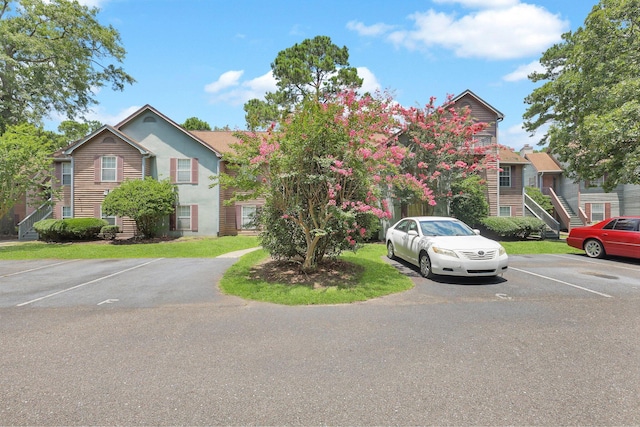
(501, 251)
(442, 251)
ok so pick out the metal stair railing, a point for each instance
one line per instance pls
(26, 225)
(540, 213)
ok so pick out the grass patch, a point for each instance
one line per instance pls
(527, 247)
(179, 248)
(371, 277)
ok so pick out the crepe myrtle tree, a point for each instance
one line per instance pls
(441, 150)
(320, 172)
(327, 171)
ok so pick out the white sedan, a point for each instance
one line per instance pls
(445, 246)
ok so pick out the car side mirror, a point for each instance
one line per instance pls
(412, 233)
(475, 230)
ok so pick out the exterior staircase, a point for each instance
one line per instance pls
(552, 229)
(569, 218)
(26, 231)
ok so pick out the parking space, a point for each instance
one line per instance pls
(536, 277)
(110, 282)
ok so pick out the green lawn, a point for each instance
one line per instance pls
(180, 248)
(376, 279)
(539, 247)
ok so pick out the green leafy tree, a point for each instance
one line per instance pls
(25, 165)
(314, 69)
(53, 56)
(194, 123)
(468, 201)
(145, 201)
(72, 131)
(591, 96)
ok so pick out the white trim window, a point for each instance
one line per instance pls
(183, 170)
(66, 173)
(108, 169)
(110, 219)
(183, 217)
(505, 211)
(505, 176)
(249, 217)
(597, 212)
(66, 212)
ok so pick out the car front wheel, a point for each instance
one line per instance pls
(425, 266)
(391, 254)
(594, 249)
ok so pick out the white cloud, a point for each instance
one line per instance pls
(231, 90)
(523, 71)
(227, 79)
(242, 91)
(369, 81)
(369, 30)
(480, 4)
(111, 119)
(499, 29)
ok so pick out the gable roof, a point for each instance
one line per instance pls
(543, 162)
(507, 156)
(481, 101)
(148, 107)
(107, 128)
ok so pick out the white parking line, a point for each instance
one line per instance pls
(590, 261)
(561, 281)
(88, 283)
(37, 268)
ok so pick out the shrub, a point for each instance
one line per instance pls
(60, 230)
(469, 203)
(146, 201)
(541, 199)
(513, 227)
(108, 232)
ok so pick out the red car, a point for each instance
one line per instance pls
(619, 236)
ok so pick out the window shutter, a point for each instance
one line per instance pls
(607, 210)
(172, 219)
(119, 222)
(194, 171)
(238, 217)
(58, 174)
(194, 217)
(119, 169)
(97, 169)
(172, 169)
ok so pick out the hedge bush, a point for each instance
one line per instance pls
(513, 227)
(62, 230)
(108, 232)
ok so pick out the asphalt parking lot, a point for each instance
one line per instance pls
(155, 282)
(153, 342)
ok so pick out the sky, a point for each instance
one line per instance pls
(206, 58)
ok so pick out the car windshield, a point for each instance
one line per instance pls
(445, 228)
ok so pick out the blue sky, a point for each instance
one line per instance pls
(206, 58)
